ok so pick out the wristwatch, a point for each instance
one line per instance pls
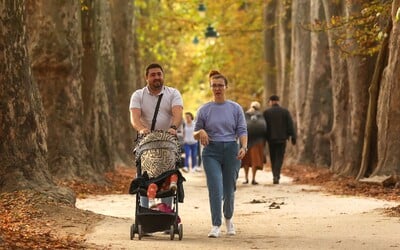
(174, 127)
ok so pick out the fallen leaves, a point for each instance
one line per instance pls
(23, 226)
(341, 185)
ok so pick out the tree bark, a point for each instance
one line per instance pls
(340, 92)
(360, 69)
(300, 60)
(369, 153)
(55, 46)
(283, 48)
(313, 143)
(270, 46)
(23, 128)
(388, 119)
(98, 90)
(125, 73)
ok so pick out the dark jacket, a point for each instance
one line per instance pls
(279, 124)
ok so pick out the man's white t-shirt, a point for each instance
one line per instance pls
(144, 100)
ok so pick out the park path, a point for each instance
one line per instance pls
(306, 218)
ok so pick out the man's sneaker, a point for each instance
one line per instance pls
(185, 169)
(230, 228)
(215, 232)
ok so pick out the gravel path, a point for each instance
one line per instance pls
(284, 216)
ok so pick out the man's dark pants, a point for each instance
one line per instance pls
(276, 154)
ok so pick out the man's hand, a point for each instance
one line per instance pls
(144, 131)
(172, 131)
(293, 141)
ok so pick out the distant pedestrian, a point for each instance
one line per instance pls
(279, 129)
(257, 132)
(190, 144)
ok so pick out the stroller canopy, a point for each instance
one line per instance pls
(158, 152)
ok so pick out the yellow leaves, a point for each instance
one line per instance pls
(398, 14)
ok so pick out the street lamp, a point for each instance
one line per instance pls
(211, 35)
(195, 40)
(202, 10)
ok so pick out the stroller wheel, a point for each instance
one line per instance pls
(180, 231)
(132, 231)
(172, 232)
(140, 232)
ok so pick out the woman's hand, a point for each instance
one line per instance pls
(203, 137)
(241, 153)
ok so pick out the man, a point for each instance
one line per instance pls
(143, 104)
(279, 129)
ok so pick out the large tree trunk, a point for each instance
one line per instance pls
(123, 35)
(282, 49)
(388, 118)
(98, 90)
(369, 153)
(23, 124)
(340, 92)
(360, 69)
(313, 147)
(270, 46)
(300, 60)
(55, 46)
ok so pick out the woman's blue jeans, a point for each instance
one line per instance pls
(191, 151)
(222, 168)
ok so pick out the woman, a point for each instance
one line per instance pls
(189, 143)
(218, 126)
(257, 131)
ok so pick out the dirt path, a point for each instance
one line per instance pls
(307, 219)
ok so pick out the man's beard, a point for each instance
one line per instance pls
(156, 85)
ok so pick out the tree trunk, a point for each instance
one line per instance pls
(360, 69)
(270, 46)
(282, 49)
(388, 118)
(300, 60)
(313, 147)
(123, 35)
(23, 124)
(55, 46)
(98, 90)
(340, 92)
(369, 153)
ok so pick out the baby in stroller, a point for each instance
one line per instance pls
(169, 184)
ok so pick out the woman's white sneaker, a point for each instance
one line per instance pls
(215, 232)
(230, 228)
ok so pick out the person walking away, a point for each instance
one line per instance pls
(190, 144)
(256, 132)
(219, 125)
(279, 129)
(143, 104)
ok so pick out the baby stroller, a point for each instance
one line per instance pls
(157, 157)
